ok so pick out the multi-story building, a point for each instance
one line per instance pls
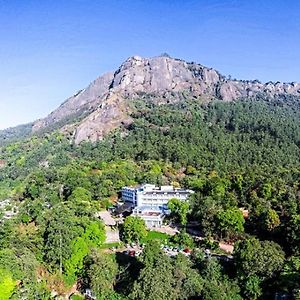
(152, 217)
(151, 202)
(151, 196)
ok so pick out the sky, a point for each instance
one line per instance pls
(50, 49)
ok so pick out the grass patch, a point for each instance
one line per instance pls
(77, 297)
(155, 235)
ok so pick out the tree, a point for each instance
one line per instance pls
(230, 222)
(253, 257)
(68, 238)
(266, 191)
(134, 229)
(80, 201)
(73, 177)
(74, 264)
(188, 281)
(252, 287)
(31, 209)
(61, 229)
(7, 285)
(183, 239)
(94, 234)
(163, 278)
(216, 285)
(205, 210)
(80, 195)
(290, 274)
(179, 209)
(156, 281)
(270, 219)
(21, 265)
(101, 272)
(253, 148)
(292, 229)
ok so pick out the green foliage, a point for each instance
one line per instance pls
(155, 235)
(74, 264)
(152, 253)
(101, 270)
(270, 219)
(183, 239)
(235, 155)
(68, 239)
(134, 229)
(230, 222)
(155, 282)
(162, 278)
(179, 209)
(290, 274)
(292, 232)
(258, 258)
(7, 285)
(13, 134)
(208, 243)
(61, 230)
(253, 288)
(188, 281)
(94, 234)
(80, 195)
(216, 285)
(217, 136)
(77, 297)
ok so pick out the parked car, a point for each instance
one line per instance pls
(89, 295)
(187, 251)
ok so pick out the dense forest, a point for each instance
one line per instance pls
(234, 155)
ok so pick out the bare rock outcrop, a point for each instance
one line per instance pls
(85, 99)
(106, 100)
(159, 75)
(111, 114)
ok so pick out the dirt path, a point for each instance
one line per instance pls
(112, 236)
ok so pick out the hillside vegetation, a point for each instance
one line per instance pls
(242, 154)
(13, 134)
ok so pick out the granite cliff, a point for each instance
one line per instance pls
(104, 104)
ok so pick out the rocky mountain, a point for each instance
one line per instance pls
(105, 104)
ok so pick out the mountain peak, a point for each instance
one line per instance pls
(103, 105)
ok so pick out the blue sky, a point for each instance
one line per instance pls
(52, 48)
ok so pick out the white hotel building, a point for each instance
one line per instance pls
(151, 203)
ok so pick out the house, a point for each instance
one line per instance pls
(150, 202)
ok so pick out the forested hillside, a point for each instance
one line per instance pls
(12, 134)
(242, 154)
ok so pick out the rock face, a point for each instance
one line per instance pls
(162, 79)
(83, 100)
